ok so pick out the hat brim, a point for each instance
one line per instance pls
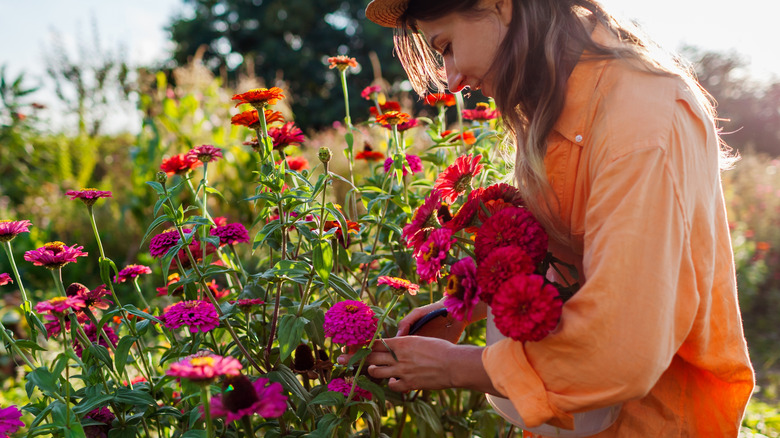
(386, 12)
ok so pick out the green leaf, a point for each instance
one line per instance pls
(426, 413)
(89, 404)
(195, 433)
(214, 191)
(329, 398)
(343, 288)
(124, 432)
(358, 356)
(133, 397)
(122, 350)
(106, 267)
(30, 345)
(265, 233)
(290, 332)
(290, 383)
(43, 379)
(140, 313)
(322, 257)
(155, 223)
(101, 353)
(157, 187)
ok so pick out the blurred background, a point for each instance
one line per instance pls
(96, 93)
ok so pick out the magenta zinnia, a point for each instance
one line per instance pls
(370, 92)
(204, 367)
(163, 242)
(498, 267)
(423, 222)
(461, 292)
(399, 284)
(10, 229)
(287, 135)
(240, 398)
(130, 272)
(344, 385)
(231, 234)
(432, 254)
(95, 338)
(58, 306)
(198, 316)
(246, 304)
(456, 178)
(205, 153)
(481, 113)
(514, 226)
(525, 308)
(5, 279)
(350, 323)
(101, 415)
(54, 255)
(88, 196)
(413, 164)
(92, 298)
(9, 420)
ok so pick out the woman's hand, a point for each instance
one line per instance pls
(447, 327)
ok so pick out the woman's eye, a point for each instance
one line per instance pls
(445, 50)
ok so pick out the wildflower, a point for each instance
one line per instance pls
(231, 234)
(54, 255)
(204, 367)
(423, 221)
(296, 163)
(525, 308)
(399, 284)
(260, 97)
(100, 415)
(390, 105)
(391, 118)
(9, 420)
(405, 126)
(247, 304)
(481, 113)
(130, 272)
(205, 153)
(95, 338)
(287, 135)
(198, 316)
(352, 228)
(160, 244)
(461, 294)
(432, 254)
(350, 323)
(369, 154)
(498, 267)
(440, 99)
(88, 196)
(413, 163)
(10, 229)
(179, 164)
(240, 398)
(467, 137)
(370, 93)
(91, 298)
(513, 226)
(58, 306)
(5, 279)
(172, 279)
(457, 177)
(342, 62)
(344, 385)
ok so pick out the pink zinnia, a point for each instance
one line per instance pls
(10, 229)
(241, 397)
(481, 113)
(5, 279)
(343, 386)
(57, 306)
(413, 164)
(88, 196)
(350, 323)
(179, 164)
(92, 334)
(91, 298)
(205, 153)
(54, 255)
(101, 415)
(160, 244)
(130, 272)
(368, 92)
(287, 135)
(462, 291)
(456, 178)
(423, 222)
(9, 420)
(204, 367)
(432, 254)
(231, 234)
(405, 126)
(525, 308)
(498, 267)
(514, 226)
(198, 316)
(247, 304)
(399, 284)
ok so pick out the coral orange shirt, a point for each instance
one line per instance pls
(634, 163)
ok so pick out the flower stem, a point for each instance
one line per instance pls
(249, 431)
(140, 294)
(13, 345)
(95, 230)
(205, 395)
(57, 275)
(204, 232)
(26, 305)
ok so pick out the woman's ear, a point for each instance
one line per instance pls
(504, 11)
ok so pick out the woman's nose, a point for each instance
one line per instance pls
(454, 78)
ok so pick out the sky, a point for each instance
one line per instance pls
(136, 27)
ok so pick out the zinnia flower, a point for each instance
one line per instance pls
(344, 385)
(352, 228)
(251, 120)
(462, 291)
(350, 323)
(172, 279)
(198, 316)
(468, 136)
(160, 244)
(5, 279)
(287, 135)
(204, 367)
(502, 191)
(58, 306)
(481, 113)
(179, 164)
(368, 93)
(9, 420)
(54, 255)
(423, 221)
(390, 105)
(91, 298)
(513, 226)
(525, 308)
(260, 97)
(501, 265)
(432, 254)
(457, 177)
(231, 234)
(93, 336)
(101, 415)
(297, 163)
(130, 272)
(205, 153)
(369, 154)
(10, 229)
(240, 398)
(405, 126)
(217, 291)
(413, 163)
(399, 284)
(88, 196)
(391, 118)
(246, 304)
(342, 62)
(440, 99)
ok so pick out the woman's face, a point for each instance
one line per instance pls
(468, 44)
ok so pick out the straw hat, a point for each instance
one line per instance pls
(386, 12)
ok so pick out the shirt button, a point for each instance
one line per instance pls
(578, 138)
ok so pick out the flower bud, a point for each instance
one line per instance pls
(325, 155)
(162, 177)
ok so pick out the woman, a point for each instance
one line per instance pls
(619, 158)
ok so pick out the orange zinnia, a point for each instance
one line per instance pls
(390, 105)
(250, 118)
(259, 97)
(438, 99)
(393, 118)
(468, 137)
(342, 62)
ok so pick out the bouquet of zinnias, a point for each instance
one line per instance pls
(494, 249)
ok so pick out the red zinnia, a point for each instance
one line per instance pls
(390, 105)
(513, 226)
(456, 178)
(297, 163)
(423, 222)
(205, 153)
(462, 291)
(342, 62)
(525, 308)
(172, 279)
(251, 120)
(352, 228)
(179, 164)
(369, 154)
(54, 255)
(399, 284)
(91, 298)
(481, 113)
(92, 334)
(88, 196)
(440, 99)
(10, 229)
(287, 135)
(468, 136)
(259, 97)
(498, 267)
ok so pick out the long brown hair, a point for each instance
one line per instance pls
(545, 39)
